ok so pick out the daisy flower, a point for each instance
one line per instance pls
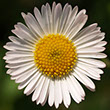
(52, 54)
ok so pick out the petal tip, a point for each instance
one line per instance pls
(23, 14)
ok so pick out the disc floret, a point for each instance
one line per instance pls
(55, 55)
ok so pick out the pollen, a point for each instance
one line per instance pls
(55, 55)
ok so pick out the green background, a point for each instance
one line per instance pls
(13, 99)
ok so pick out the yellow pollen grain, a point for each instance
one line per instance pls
(55, 55)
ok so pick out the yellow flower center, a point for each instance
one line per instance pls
(55, 55)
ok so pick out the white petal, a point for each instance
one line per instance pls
(49, 17)
(82, 71)
(26, 82)
(65, 93)
(89, 37)
(19, 60)
(20, 75)
(56, 17)
(33, 25)
(94, 62)
(31, 86)
(44, 91)
(26, 75)
(94, 68)
(9, 71)
(85, 31)
(13, 46)
(45, 18)
(85, 80)
(78, 23)
(24, 33)
(67, 19)
(102, 43)
(92, 55)
(17, 65)
(74, 93)
(83, 11)
(92, 42)
(27, 65)
(70, 20)
(90, 30)
(91, 50)
(17, 40)
(38, 88)
(40, 19)
(58, 93)
(89, 67)
(78, 87)
(19, 54)
(51, 98)
(64, 17)
(22, 69)
(15, 77)
(53, 11)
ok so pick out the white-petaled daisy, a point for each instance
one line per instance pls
(52, 53)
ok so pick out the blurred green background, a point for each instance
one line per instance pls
(13, 99)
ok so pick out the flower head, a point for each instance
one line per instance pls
(49, 55)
